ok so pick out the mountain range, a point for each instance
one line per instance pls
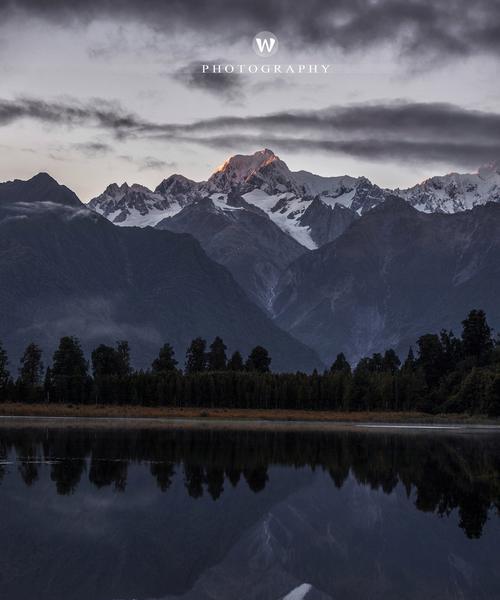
(237, 213)
(395, 274)
(310, 208)
(306, 265)
(65, 270)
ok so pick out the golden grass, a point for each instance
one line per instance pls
(237, 414)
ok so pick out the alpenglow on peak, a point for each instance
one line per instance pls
(247, 162)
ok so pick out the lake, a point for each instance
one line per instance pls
(119, 510)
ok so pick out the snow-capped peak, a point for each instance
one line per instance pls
(176, 184)
(242, 165)
(263, 170)
(114, 190)
(261, 179)
(137, 205)
(310, 208)
(455, 192)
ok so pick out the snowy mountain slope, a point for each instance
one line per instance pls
(136, 205)
(263, 180)
(455, 192)
(285, 210)
(311, 209)
(241, 237)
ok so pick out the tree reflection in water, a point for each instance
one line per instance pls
(441, 472)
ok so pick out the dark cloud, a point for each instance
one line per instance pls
(228, 85)
(417, 27)
(154, 164)
(108, 115)
(470, 155)
(92, 149)
(385, 120)
(388, 120)
(397, 131)
(148, 163)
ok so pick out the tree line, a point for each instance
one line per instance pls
(446, 373)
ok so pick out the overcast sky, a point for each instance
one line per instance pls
(102, 91)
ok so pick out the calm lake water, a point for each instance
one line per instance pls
(111, 512)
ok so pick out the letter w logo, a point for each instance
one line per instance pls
(265, 45)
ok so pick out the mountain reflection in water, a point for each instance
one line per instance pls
(186, 513)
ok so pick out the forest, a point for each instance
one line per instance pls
(444, 373)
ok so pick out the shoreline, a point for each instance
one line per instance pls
(128, 415)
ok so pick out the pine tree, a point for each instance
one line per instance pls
(340, 364)
(258, 360)
(123, 352)
(235, 363)
(431, 357)
(69, 371)
(196, 356)
(390, 362)
(165, 362)
(376, 363)
(452, 349)
(410, 364)
(31, 370)
(105, 361)
(217, 356)
(360, 389)
(476, 335)
(109, 361)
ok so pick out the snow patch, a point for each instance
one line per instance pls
(318, 185)
(298, 593)
(220, 202)
(135, 219)
(344, 199)
(285, 217)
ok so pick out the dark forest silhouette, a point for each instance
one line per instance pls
(440, 473)
(445, 374)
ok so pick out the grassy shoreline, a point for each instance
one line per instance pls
(99, 411)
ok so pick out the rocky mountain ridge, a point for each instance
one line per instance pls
(310, 208)
(65, 270)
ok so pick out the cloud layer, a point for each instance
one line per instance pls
(417, 27)
(102, 113)
(396, 131)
